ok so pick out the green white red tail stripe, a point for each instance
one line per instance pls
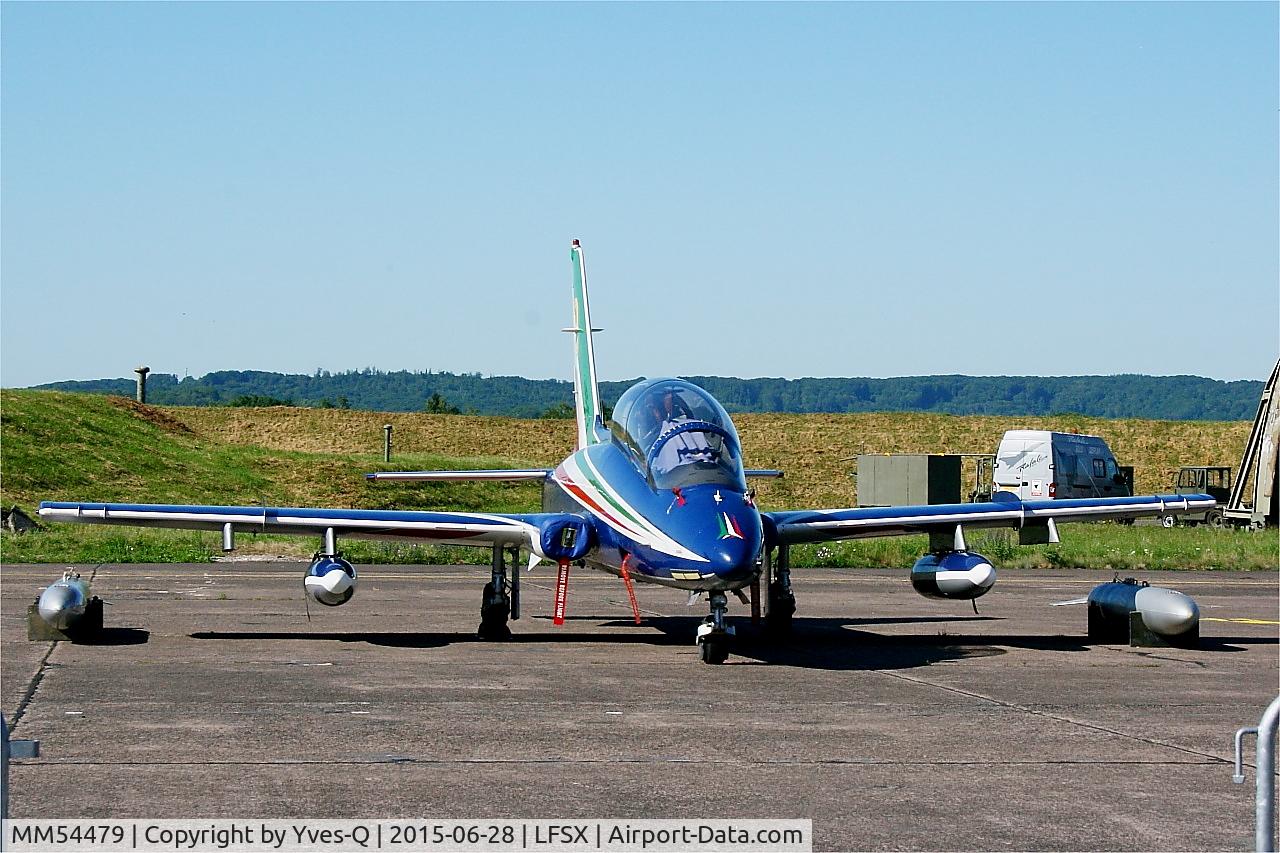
(585, 391)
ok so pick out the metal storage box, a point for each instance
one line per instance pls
(903, 479)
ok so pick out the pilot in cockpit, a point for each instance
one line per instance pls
(668, 412)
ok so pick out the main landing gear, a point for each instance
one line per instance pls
(501, 597)
(782, 601)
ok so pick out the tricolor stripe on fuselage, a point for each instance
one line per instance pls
(584, 483)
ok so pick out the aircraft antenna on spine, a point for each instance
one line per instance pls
(586, 392)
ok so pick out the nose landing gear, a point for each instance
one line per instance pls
(715, 633)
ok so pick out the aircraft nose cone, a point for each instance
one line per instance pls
(733, 557)
(60, 605)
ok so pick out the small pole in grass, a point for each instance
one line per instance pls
(386, 443)
(142, 382)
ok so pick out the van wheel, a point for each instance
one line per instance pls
(1166, 521)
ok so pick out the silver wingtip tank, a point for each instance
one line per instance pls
(1135, 612)
(1167, 611)
(63, 603)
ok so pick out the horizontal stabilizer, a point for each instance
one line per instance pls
(457, 476)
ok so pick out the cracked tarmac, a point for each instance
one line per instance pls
(892, 721)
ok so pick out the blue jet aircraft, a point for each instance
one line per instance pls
(658, 494)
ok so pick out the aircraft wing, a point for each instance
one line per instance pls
(542, 533)
(1035, 520)
(460, 476)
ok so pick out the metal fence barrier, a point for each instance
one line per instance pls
(1264, 833)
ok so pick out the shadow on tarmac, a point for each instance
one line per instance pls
(113, 637)
(840, 644)
(833, 644)
(1223, 644)
(815, 643)
(400, 639)
(422, 640)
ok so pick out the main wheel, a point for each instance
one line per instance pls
(782, 606)
(1213, 518)
(1167, 521)
(494, 611)
(491, 630)
(714, 651)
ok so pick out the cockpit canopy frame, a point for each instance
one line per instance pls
(677, 435)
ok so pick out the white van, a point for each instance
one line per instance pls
(1037, 464)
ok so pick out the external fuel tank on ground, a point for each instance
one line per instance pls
(1134, 612)
(64, 609)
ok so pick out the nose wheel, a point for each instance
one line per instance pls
(715, 634)
(714, 650)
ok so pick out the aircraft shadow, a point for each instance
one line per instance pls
(841, 644)
(1227, 644)
(838, 644)
(399, 639)
(422, 640)
(814, 643)
(112, 637)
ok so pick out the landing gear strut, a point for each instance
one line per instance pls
(715, 633)
(782, 601)
(501, 597)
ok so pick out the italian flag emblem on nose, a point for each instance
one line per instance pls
(729, 527)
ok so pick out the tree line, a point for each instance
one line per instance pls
(1120, 396)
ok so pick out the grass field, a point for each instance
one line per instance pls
(818, 452)
(79, 447)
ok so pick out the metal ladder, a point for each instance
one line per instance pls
(1252, 451)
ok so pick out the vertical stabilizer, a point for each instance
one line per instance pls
(585, 391)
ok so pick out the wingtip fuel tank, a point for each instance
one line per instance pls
(953, 574)
(66, 609)
(63, 603)
(1135, 612)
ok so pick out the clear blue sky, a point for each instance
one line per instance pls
(761, 190)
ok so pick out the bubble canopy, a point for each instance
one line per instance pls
(677, 435)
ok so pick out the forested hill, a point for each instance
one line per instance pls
(1123, 396)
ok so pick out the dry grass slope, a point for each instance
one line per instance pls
(85, 447)
(817, 452)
